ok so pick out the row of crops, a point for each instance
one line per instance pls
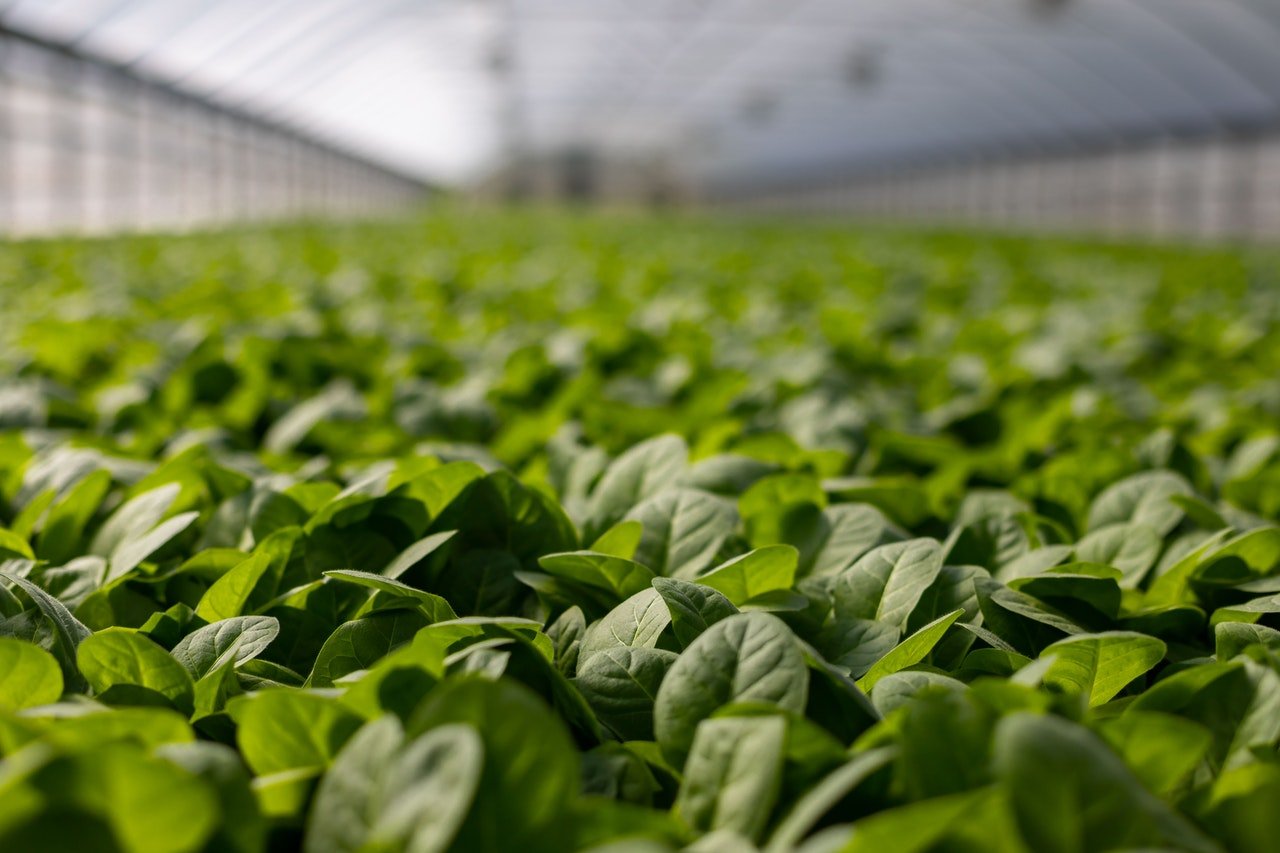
(493, 533)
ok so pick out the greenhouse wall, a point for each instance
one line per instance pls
(88, 147)
(1215, 188)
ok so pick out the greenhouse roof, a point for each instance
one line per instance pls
(732, 90)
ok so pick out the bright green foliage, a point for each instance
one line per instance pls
(534, 533)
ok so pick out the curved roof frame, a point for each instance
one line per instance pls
(983, 73)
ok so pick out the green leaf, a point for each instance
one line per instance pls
(385, 793)
(433, 607)
(240, 828)
(361, 643)
(120, 656)
(751, 657)
(1071, 793)
(637, 622)
(886, 583)
(1131, 547)
(1098, 666)
(62, 536)
(619, 577)
(684, 529)
(230, 593)
(142, 803)
(642, 471)
(1232, 638)
(733, 775)
(1143, 499)
(29, 676)
(530, 774)
(238, 639)
(1162, 750)
(416, 553)
(14, 545)
(693, 607)
(126, 557)
(910, 651)
(287, 730)
(754, 574)
(810, 809)
(621, 540)
(133, 519)
(621, 685)
(848, 532)
(68, 632)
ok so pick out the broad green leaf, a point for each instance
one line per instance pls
(693, 607)
(750, 657)
(230, 594)
(432, 606)
(361, 643)
(637, 622)
(1098, 666)
(643, 471)
(62, 536)
(12, 545)
(145, 804)
(809, 810)
(1071, 793)
(120, 656)
(134, 518)
(621, 685)
(1232, 638)
(239, 639)
(619, 577)
(887, 582)
(416, 553)
(848, 532)
(384, 792)
(930, 824)
(1131, 547)
(29, 676)
(68, 632)
(855, 644)
(530, 774)
(126, 557)
(1162, 750)
(287, 730)
(910, 651)
(1143, 499)
(754, 574)
(684, 529)
(733, 775)
(621, 540)
(240, 828)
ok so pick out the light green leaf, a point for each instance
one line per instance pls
(754, 574)
(229, 594)
(751, 657)
(910, 651)
(29, 676)
(733, 774)
(1098, 666)
(121, 656)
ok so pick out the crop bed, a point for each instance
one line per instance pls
(516, 533)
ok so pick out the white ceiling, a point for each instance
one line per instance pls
(734, 90)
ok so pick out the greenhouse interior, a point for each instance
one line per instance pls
(725, 426)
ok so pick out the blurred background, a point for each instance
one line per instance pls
(1128, 117)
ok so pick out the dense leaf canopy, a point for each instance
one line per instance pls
(496, 533)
